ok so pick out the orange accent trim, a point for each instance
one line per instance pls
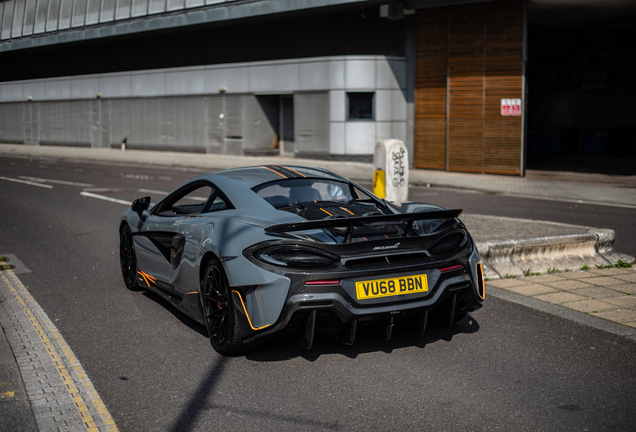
(283, 166)
(247, 315)
(143, 275)
(193, 292)
(326, 211)
(261, 166)
(152, 278)
(480, 269)
(365, 239)
(348, 211)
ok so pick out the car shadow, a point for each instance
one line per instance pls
(185, 319)
(282, 349)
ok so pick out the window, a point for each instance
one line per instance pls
(360, 106)
(194, 199)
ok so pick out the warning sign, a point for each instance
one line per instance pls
(515, 107)
(505, 107)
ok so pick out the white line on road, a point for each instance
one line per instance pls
(27, 182)
(56, 181)
(152, 191)
(115, 200)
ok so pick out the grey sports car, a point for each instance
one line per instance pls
(256, 251)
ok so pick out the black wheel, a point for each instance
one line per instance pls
(127, 259)
(219, 312)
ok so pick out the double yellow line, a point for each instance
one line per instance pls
(46, 330)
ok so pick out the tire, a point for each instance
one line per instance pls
(128, 259)
(219, 312)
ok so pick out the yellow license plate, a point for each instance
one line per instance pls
(391, 287)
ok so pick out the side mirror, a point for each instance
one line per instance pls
(140, 205)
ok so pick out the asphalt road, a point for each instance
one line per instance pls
(505, 367)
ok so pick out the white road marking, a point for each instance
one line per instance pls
(152, 191)
(27, 182)
(56, 181)
(101, 197)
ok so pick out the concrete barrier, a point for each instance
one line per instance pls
(391, 171)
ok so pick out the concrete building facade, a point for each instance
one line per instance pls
(321, 78)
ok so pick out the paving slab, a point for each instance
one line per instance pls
(560, 297)
(597, 292)
(589, 305)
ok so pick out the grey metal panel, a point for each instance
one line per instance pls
(31, 126)
(53, 15)
(181, 82)
(234, 79)
(35, 89)
(360, 137)
(1, 16)
(274, 78)
(382, 107)
(40, 16)
(123, 9)
(66, 11)
(11, 123)
(311, 122)
(18, 17)
(337, 105)
(314, 75)
(120, 120)
(185, 126)
(140, 8)
(115, 85)
(79, 13)
(156, 6)
(148, 84)
(360, 73)
(108, 11)
(175, 5)
(84, 87)
(233, 114)
(214, 123)
(194, 3)
(259, 132)
(29, 17)
(92, 12)
(7, 19)
(58, 89)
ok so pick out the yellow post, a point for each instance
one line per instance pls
(379, 183)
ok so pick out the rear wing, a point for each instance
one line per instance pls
(369, 221)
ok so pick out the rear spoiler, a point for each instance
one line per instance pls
(350, 223)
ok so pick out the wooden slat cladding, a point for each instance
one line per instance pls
(430, 89)
(504, 70)
(466, 88)
(473, 54)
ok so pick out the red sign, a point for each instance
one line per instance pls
(505, 107)
(515, 105)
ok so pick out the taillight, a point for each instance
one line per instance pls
(296, 256)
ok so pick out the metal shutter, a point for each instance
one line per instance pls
(311, 122)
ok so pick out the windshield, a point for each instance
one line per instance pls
(285, 192)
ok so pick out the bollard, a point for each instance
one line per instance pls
(391, 171)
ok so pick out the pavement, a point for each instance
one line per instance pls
(566, 270)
